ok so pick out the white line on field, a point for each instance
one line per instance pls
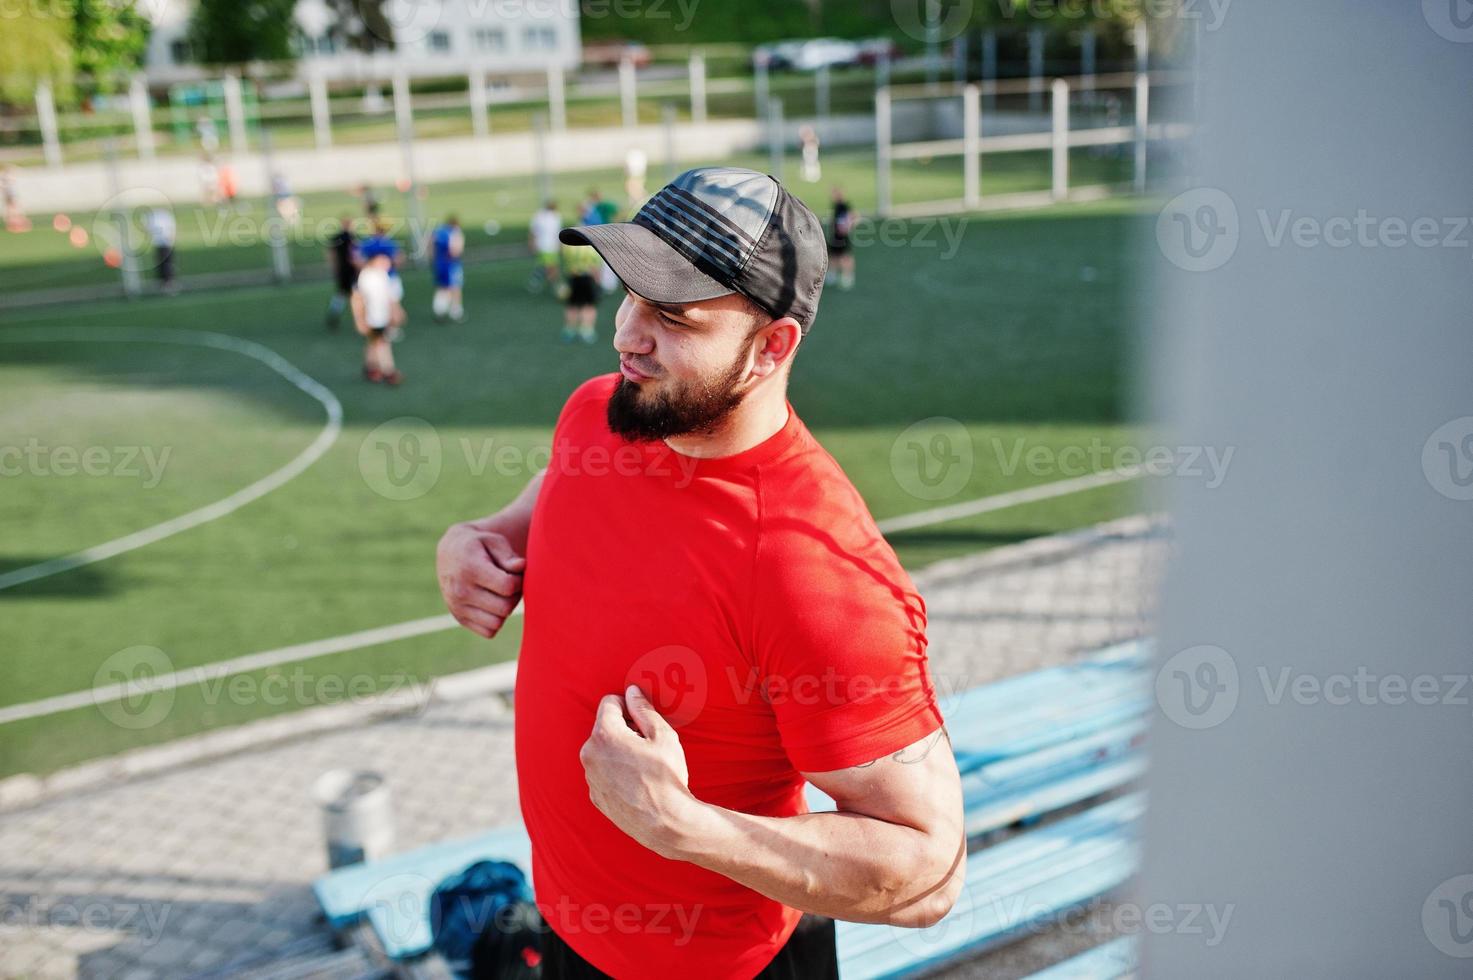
(209, 512)
(436, 624)
(985, 505)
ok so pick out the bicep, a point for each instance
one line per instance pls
(916, 787)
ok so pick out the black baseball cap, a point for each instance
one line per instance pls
(713, 231)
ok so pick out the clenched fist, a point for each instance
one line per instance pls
(480, 577)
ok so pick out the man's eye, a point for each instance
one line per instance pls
(667, 318)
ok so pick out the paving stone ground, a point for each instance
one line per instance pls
(208, 865)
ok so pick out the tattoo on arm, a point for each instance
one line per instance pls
(912, 754)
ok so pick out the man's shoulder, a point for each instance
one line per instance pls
(807, 497)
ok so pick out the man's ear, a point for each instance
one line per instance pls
(775, 345)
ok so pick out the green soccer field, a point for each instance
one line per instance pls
(1013, 342)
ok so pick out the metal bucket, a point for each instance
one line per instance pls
(357, 815)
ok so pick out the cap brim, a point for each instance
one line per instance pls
(645, 264)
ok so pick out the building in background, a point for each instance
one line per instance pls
(431, 37)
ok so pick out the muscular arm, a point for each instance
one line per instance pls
(893, 852)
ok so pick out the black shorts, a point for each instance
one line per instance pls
(377, 332)
(809, 954)
(347, 279)
(839, 248)
(582, 291)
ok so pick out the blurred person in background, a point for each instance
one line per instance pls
(449, 271)
(228, 186)
(542, 239)
(342, 259)
(209, 181)
(288, 205)
(580, 314)
(15, 218)
(841, 249)
(161, 228)
(812, 172)
(380, 243)
(376, 311)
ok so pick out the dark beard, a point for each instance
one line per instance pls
(691, 408)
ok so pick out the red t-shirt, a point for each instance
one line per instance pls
(755, 602)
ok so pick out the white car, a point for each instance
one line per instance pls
(825, 52)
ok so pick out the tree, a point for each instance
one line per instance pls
(109, 38)
(233, 32)
(361, 25)
(35, 46)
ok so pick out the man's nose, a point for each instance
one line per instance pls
(631, 333)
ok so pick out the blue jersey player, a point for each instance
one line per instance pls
(449, 243)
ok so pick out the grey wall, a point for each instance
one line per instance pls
(1339, 835)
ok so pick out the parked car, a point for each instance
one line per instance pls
(608, 54)
(826, 52)
(821, 52)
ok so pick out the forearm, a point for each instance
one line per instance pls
(842, 865)
(515, 519)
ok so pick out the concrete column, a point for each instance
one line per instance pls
(403, 104)
(882, 153)
(480, 118)
(142, 117)
(321, 111)
(46, 119)
(628, 93)
(1060, 103)
(235, 113)
(1035, 69)
(972, 145)
(557, 101)
(698, 87)
(1142, 100)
